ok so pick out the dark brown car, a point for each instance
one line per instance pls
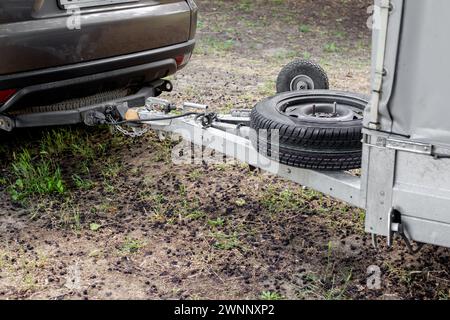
(60, 58)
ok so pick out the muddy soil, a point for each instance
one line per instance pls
(131, 224)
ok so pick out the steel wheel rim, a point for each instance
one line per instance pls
(302, 82)
(321, 109)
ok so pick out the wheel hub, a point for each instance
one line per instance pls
(302, 82)
(322, 112)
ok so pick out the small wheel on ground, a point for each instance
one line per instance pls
(302, 75)
(317, 129)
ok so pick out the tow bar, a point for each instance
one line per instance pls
(227, 134)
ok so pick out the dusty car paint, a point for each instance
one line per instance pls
(34, 34)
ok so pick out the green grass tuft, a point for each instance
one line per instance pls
(35, 177)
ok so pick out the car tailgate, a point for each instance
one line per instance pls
(37, 34)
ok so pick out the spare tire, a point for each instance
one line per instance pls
(317, 129)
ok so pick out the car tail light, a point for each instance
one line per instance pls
(183, 59)
(6, 94)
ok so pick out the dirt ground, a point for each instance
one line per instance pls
(123, 222)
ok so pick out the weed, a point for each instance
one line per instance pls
(39, 177)
(71, 216)
(131, 246)
(330, 47)
(270, 296)
(304, 28)
(195, 215)
(195, 174)
(403, 275)
(245, 5)
(225, 241)
(240, 202)
(95, 226)
(276, 201)
(219, 222)
(307, 55)
(211, 45)
(81, 183)
(268, 88)
(111, 169)
(326, 287)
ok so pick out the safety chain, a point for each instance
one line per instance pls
(135, 133)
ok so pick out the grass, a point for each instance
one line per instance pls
(219, 222)
(81, 183)
(23, 269)
(41, 177)
(276, 201)
(245, 5)
(240, 202)
(195, 175)
(37, 171)
(131, 246)
(330, 47)
(195, 215)
(268, 88)
(403, 275)
(95, 226)
(111, 169)
(270, 296)
(69, 212)
(164, 150)
(214, 46)
(47, 173)
(304, 28)
(319, 287)
(224, 241)
(329, 283)
(74, 142)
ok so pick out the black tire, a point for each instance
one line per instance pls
(317, 78)
(306, 142)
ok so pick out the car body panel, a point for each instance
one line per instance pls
(59, 73)
(49, 38)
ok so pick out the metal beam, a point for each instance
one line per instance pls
(234, 143)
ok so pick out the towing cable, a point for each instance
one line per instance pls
(206, 119)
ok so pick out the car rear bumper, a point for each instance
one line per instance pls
(24, 79)
(78, 115)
